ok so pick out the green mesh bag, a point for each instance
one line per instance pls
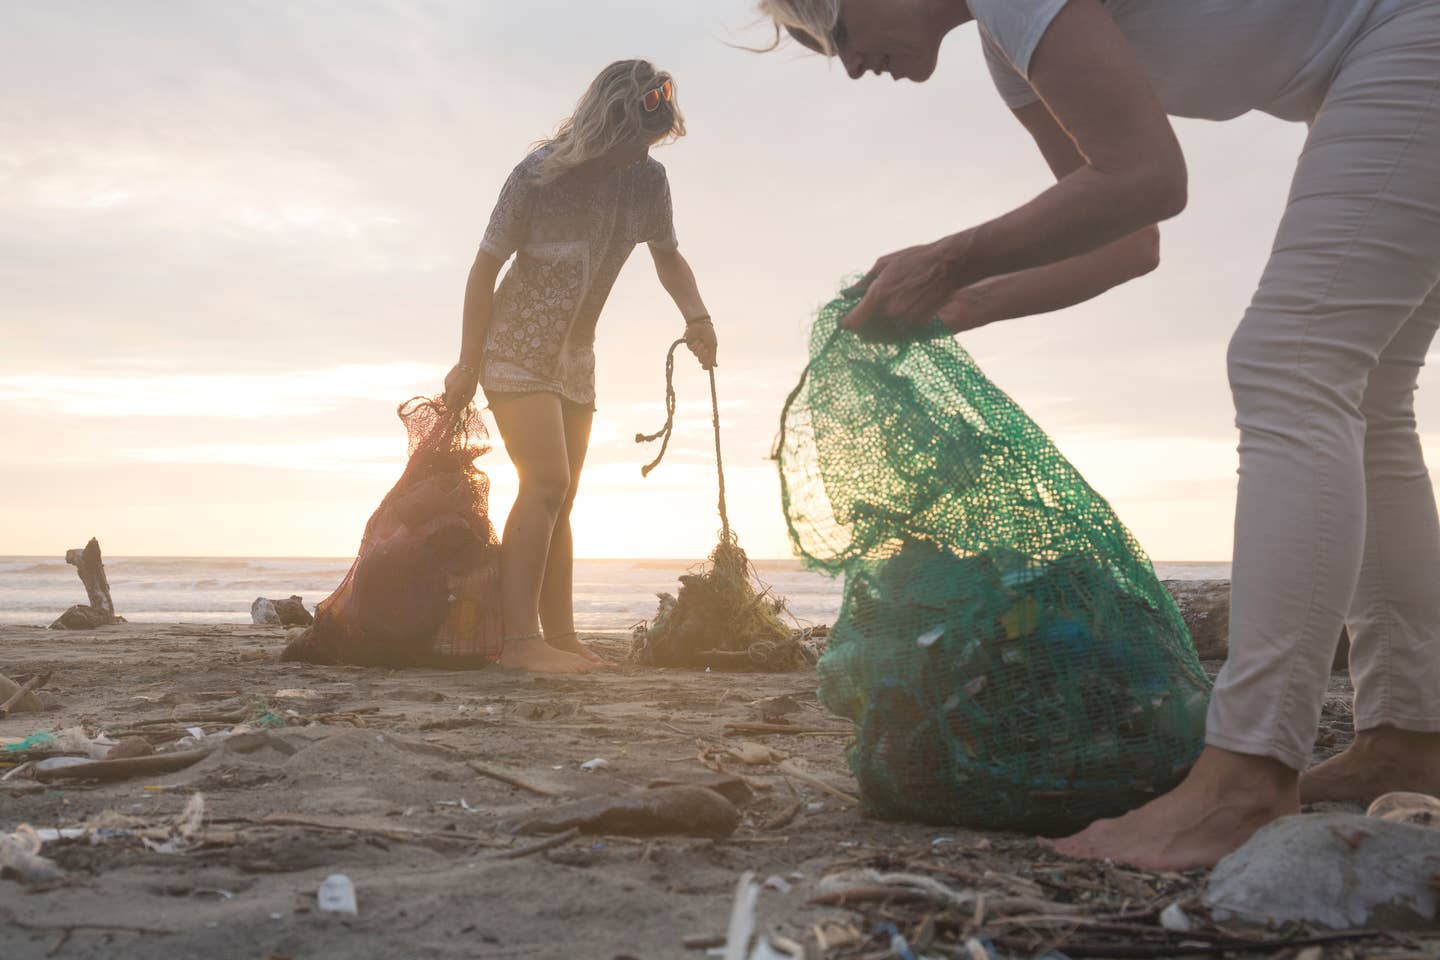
(1004, 648)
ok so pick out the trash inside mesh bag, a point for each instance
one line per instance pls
(1004, 648)
(425, 587)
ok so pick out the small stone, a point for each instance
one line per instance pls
(1336, 870)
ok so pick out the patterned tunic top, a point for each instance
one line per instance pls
(572, 236)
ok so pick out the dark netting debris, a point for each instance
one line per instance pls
(1004, 648)
(723, 618)
(424, 589)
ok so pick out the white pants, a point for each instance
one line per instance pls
(1336, 521)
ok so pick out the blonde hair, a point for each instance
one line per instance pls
(609, 115)
(814, 18)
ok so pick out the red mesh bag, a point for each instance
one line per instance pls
(425, 587)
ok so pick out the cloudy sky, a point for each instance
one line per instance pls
(234, 236)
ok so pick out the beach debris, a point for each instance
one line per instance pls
(1342, 871)
(1419, 809)
(20, 857)
(185, 829)
(720, 621)
(21, 697)
(754, 754)
(794, 769)
(289, 612)
(1175, 918)
(558, 840)
(110, 770)
(365, 827)
(676, 810)
(774, 710)
(599, 763)
(100, 611)
(509, 779)
(337, 895)
(741, 929)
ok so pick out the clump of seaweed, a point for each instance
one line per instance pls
(724, 618)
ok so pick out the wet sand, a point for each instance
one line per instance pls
(387, 755)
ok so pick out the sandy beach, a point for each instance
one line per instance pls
(372, 775)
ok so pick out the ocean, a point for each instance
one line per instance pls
(609, 594)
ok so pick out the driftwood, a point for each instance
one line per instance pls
(24, 696)
(111, 770)
(1205, 607)
(100, 611)
(21, 698)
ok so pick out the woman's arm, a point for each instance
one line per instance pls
(679, 281)
(460, 383)
(1057, 285)
(1132, 175)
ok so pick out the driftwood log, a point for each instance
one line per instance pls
(100, 611)
(1205, 607)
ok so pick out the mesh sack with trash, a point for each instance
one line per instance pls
(424, 589)
(1004, 648)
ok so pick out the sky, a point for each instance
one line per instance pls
(234, 237)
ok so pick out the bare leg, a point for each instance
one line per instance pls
(1224, 800)
(557, 591)
(533, 428)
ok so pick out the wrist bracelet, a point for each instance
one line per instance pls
(704, 319)
(466, 369)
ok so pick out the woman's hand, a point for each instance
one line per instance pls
(700, 338)
(460, 384)
(907, 288)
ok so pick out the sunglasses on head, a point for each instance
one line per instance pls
(661, 94)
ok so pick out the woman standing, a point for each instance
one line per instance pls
(1336, 520)
(573, 210)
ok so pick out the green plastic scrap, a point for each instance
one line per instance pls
(36, 741)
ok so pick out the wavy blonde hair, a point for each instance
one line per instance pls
(815, 19)
(611, 114)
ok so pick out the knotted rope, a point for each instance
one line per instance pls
(663, 434)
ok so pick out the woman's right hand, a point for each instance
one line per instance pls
(460, 384)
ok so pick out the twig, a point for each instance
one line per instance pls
(1134, 951)
(360, 828)
(763, 728)
(792, 770)
(560, 839)
(508, 779)
(33, 684)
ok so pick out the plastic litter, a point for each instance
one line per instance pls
(337, 895)
(1176, 919)
(599, 763)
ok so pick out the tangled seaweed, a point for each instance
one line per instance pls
(724, 618)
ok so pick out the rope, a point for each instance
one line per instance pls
(664, 433)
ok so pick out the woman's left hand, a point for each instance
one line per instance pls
(906, 289)
(700, 338)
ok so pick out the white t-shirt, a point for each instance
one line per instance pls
(1213, 59)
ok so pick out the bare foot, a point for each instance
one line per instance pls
(1224, 800)
(1382, 760)
(570, 643)
(535, 655)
